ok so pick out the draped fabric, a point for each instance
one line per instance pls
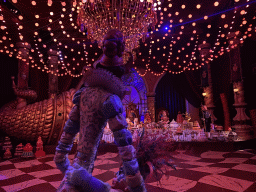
(192, 87)
(167, 97)
(172, 90)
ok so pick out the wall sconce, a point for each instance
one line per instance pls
(204, 94)
(236, 90)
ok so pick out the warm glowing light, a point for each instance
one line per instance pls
(198, 6)
(216, 4)
(33, 3)
(20, 17)
(49, 3)
(242, 12)
(183, 6)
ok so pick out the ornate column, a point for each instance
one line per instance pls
(53, 78)
(23, 70)
(151, 104)
(151, 82)
(207, 80)
(241, 120)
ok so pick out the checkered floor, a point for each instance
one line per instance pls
(211, 171)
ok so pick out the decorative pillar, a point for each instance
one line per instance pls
(151, 82)
(207, 80)
(227, 121)
(151, 104)
(23, 70)
(241, 120)
(53, 78)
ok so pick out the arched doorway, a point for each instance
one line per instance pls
(138, 91)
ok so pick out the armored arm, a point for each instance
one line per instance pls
(112, 110)
(71, 128)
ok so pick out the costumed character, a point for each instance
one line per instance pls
(164, 118)
(132, 117)
(206, 118)
(97, 103)
(179, 118)
(147, 118)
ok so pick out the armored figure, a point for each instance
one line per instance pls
(95, 104)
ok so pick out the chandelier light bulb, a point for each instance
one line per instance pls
(33, 3)
(49, 3)
(216, 4)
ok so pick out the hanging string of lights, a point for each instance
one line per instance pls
(167, 53)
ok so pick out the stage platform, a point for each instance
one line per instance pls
(183, 145)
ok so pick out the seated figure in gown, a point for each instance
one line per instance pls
(164, 119)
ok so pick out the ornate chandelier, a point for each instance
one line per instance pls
(132, 17)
